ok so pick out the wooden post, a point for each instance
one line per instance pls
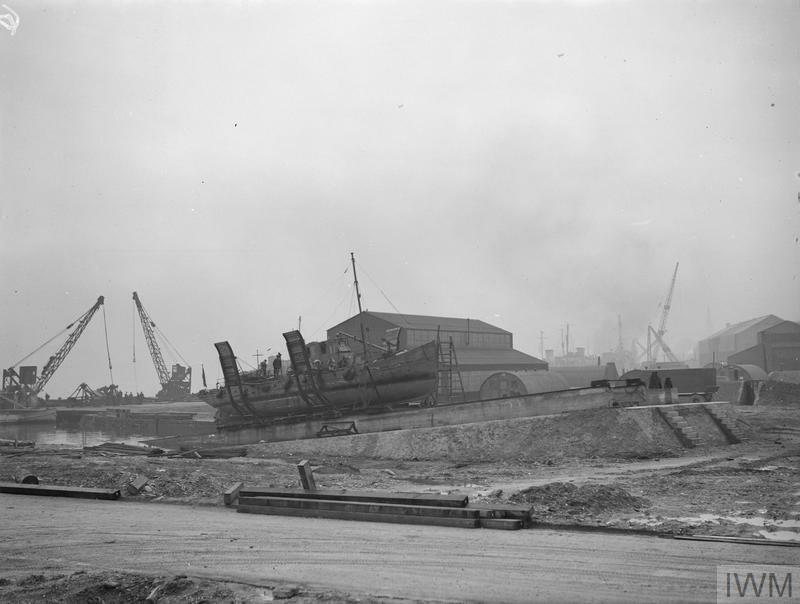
(137, 484)
(306, 475)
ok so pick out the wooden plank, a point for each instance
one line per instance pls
(361, 516)
(506, 524)
(232, 493)
(358, 506)
(742, 540)
(58, 491)
(306, 475)
(450, 501)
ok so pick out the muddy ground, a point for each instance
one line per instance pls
(85, 587)
(749, 490)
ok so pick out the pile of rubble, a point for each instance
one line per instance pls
(566, 501)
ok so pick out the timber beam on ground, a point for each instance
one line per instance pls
(58, 491)
(673, 405)
(742, 540)
(373, 507)
(362, 516)
(370, 507)
(423, 499)
(505, 512)
(504, 524)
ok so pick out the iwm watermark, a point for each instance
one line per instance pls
(9, 20)
(758, 583)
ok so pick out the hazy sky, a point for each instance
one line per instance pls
(530, 164)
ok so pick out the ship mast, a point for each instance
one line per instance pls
(358, 298)
(355, 279)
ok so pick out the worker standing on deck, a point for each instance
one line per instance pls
(277, 365)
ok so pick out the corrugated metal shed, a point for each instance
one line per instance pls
(504, 384)
(480, 347)
(736, 339)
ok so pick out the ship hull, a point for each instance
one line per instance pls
(401, 378)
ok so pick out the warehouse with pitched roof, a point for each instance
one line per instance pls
(481, 348)
(734, 338)
(777, 349)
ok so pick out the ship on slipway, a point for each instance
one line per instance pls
(326, 380)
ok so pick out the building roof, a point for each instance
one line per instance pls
(445, 323)
(795, 326)
(502, 357)
(753, 371)
(742, 327)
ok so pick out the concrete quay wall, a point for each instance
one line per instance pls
(531, 405)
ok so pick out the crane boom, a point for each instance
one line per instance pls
(152, 344)
(662, 326)
(658, 335)
(54, 362)
(174, 386)
(659, 341)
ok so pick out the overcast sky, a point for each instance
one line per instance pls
(530, 164)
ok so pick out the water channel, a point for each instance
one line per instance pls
(133, 433)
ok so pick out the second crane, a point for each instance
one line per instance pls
(175, 385)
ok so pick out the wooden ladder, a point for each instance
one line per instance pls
(449, 385)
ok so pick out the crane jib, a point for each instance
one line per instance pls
(55, 361)
(174, 386)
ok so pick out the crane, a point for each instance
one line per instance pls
(658, 336)
(175, 386)
(25, 386)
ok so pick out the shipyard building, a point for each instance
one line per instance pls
(480, 349)
(767, 342)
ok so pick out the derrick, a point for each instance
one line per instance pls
(22, 387)
(175, 385)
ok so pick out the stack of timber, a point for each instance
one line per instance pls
(405, 508)
(214, 452)
(124, 449)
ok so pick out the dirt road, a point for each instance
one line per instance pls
(426, 563)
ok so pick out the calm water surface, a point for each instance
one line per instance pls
(48, 433)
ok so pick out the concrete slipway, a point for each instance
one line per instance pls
(571, 423)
